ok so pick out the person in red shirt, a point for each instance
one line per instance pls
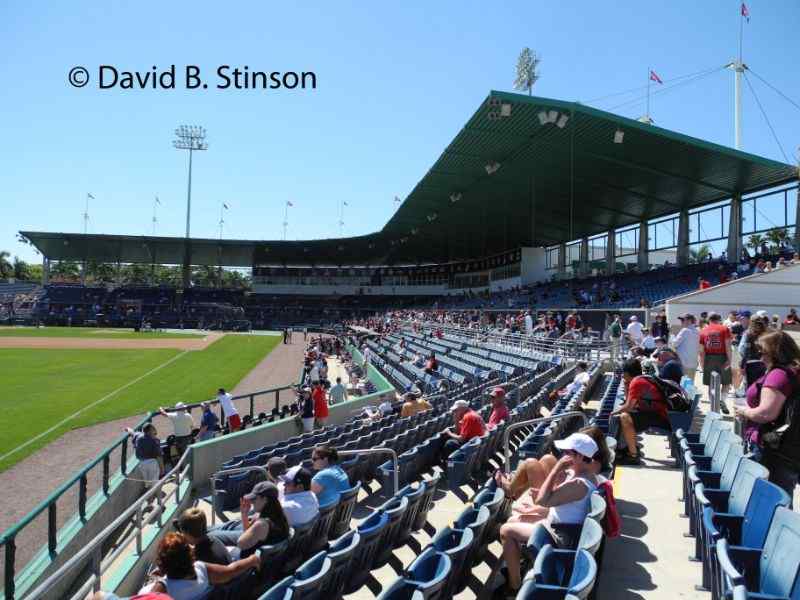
(320, 405)
(644, 407)
(467, 424)
(715, 355)
(499, 409)
(703, 284)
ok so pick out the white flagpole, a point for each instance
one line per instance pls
(155, 219)
(285, 219)
(86, 214)
(647, 112)
(221, 218)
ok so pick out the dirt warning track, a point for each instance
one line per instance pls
(109, 343)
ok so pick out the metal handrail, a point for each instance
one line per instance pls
(715, 391)
(390, 451)
(7, 539)
(515, 426)
(263, 470)
(93, 547)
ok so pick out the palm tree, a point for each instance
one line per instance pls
(776, 237)
(755, 241)
(6, 268)
(700, 254)
(21, 269)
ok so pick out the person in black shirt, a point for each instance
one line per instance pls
(148, 451)
(192, 523)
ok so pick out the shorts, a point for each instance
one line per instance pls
(149, 470)
(308, 424)
(235, 422)
(645, 419)
(713, 363)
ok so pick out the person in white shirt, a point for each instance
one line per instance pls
(338, 393)
(182, 424)
(649, 343)
(299, 503)
(367, 353)
(528, 323)
(229, 410)
(687, 345)
(634, 330)
(581, 377)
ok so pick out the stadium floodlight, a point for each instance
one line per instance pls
(505, 109)
(191, 138)
(552, 116)
(619, 136)
(455, 197)
(562, 120)
(492, 167)
(543, 117)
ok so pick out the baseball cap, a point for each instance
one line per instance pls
(297, 476)
(745, 313)
(459, 404)
(276, 466)
(497, 392)
(686, 316)
(263, 489)
(580, 443)
(180, 405)
(633, 318)
(762, 314)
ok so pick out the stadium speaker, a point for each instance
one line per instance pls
(494, 102)
(494, 115)
(505, 110)
(619, 136)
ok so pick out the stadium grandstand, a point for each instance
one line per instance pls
(497, 398)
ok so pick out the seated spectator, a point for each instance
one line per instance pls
(183, 578)
(330, 480)
(431, 365)
(276, 467)
(413, 404)
(299, 503)
(192, 524)
(648, 343)
(148, 450)
(792, 318)
(209, 423)
(581, 377)
(644, 407)
(467, 424)
(248, 534)
(669, 365)
(500, 411)
(182, 424)
(565, 495)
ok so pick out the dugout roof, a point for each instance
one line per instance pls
(523, 171)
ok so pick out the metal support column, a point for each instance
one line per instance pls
(562, 260)
(642, 261)
(611, 253)
(583, 270)
(683, 238)
(735, 229)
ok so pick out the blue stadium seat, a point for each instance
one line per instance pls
(299, 543)
(371, 531)
(318, 538)
(556, 573)
(280, 591)
(456, 543)
(401, 590)
(430, 572)
(426, 502)
(311, 577)
(395, 508)
(341, 552)
(344, 511)
(477, 520)
(414, 494)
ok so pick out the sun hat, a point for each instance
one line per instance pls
(580, 443)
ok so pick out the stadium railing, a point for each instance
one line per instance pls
(87, 506)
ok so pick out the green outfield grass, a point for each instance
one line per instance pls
(41, 387)
(92, 333)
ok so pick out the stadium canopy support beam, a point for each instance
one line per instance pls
(45, 270)
(562, 259)
(735, 229)
(797, 215)
(642, 253)
(583, 269)
(683, 238)
(611, 253)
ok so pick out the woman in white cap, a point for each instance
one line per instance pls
(566, 494)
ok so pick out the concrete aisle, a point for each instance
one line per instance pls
(650, 559)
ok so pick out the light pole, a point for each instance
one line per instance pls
(191, 138)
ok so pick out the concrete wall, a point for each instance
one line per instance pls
(533, 266)
(775, 292)
(354, 290)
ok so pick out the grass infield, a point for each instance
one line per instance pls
(92, 333)
(41, 387)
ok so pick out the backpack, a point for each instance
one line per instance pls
(674, 394)
(782, 436)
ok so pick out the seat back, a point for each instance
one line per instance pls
(430, 572)
(735, 455)
(456, 543)
(371, 531)
(426, 502)
(597, 508)
(591, 536)
(742, 487)
(766, 497)
(344, 511)
(780, 559)
(475, 519)
(414, 495)
(401, 590)
(341, 552)
(319, 534)
(717, 428)
(709, 420)
(584, 574)
(394, 509)
(311, 576)
(280, 591)
(298, 543)
(726, 440)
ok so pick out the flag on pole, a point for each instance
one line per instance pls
(397, 198)
(88, 195)
(157, 200)
(745, 12)
(225, 206)
(655, 77)
(345, 203)
(288, 203)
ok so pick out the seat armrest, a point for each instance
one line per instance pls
(715, 498)
(729, 570)
(726, 525)
(709, 478)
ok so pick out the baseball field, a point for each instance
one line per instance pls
(73, 378)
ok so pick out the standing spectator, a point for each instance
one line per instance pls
(660, 327)
(338, 393)
(148, 450)
(182, 424)
(792, 318)
(229, 410)
(467, 424)
(715, 355)
(634, 330)
(299, 503)
(737, 323)
(209, 423)
(365, 365)
(330, 480)
(768, 401)
(528, 323)
(500, 411)
(749, 349)
(306, 409)
(320, 404)
(644, 407)
(615, 335)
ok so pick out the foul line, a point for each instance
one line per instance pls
(92, 405)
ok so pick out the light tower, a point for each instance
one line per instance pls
(191, 138)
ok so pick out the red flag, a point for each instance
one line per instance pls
(654, 77)
(745, 12)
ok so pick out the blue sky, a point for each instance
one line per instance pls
(395, 84)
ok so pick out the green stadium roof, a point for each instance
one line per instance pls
(561, 176)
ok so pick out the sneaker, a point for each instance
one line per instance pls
(724, 408)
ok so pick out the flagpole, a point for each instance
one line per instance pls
(285, 219)
(155, 220)
(86, 215)
(647, 112)
(738, 68)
